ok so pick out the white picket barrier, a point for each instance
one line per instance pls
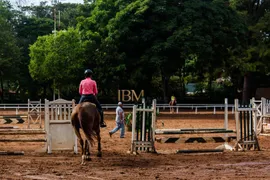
(263, 114)
(58, 133)
(59, 130)
(144, 143)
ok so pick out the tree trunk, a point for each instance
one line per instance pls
(182, 84)
(183, 92)
(44, 91)
(209, 86)
(58, 91)
(165, 81)
(246, 88)
(2, 89)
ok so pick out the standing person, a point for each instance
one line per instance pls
(88, 91)
(172, 103)
(120, 121)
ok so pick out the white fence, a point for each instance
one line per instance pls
(57, 128)
(160, 107)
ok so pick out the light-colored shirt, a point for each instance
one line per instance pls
(118, 119)
(88, 86)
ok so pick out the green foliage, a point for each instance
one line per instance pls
(128, 119)
(9, 51)
(57, 57)
(154, 45)
(261, 32)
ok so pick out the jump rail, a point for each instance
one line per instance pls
(139, 142)
(246, 126)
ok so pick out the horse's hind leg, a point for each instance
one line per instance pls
(99, 154)
(76, 127)
(83, 146)
(87, 151)
(77, 132)
(83, 151)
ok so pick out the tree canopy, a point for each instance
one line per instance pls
(155, 45)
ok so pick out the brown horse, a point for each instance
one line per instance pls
(86, 117)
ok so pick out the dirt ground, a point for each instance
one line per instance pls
(117, 164)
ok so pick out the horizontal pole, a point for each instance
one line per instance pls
(183, 140)
(144, 145)
(203, 129)
(248, 142)
(60, 121)
(158, 131)
(199, 151)
(246, 109)
(142, 142)
(21, 131)
(145, 110)
(23, 140)
(9, 127)
(11, 152)
(2, 117)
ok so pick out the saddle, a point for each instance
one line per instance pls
(89, 100)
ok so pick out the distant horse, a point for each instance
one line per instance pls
(85, 116)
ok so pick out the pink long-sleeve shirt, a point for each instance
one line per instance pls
(88, 86)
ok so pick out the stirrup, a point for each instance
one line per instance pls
(103, 124)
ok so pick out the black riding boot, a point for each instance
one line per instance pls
(102, 123)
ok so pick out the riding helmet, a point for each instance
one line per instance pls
(88, 72)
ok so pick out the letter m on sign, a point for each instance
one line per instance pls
(134, 95)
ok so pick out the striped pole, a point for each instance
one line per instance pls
(11, 152)
(143, 122)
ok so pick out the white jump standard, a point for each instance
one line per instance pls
(245, 131)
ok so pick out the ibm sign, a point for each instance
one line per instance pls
(129, 95)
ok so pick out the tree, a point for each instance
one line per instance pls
(9, 51)
(28, 29)
(57, 59)
(93, 31)
(35, 21)
(248, 58)
(152, 38)
(215, 28)
(67, 15)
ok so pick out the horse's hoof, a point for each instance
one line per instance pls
(83, 163)
(88, 158)
(99, 154)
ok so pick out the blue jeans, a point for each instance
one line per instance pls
(119, 126)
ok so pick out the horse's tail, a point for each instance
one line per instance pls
(87, 120)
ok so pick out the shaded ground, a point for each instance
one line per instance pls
(117, 164)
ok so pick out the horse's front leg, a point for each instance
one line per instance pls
(99, 154)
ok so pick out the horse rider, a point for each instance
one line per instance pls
(172, 103)
(88, 91)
